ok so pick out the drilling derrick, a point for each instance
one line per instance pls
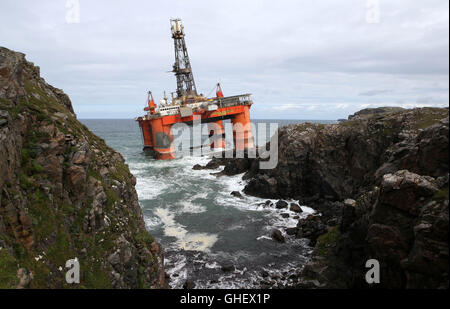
(182, 67)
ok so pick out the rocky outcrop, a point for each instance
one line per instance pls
(64, 194)
(403, 224)
(342, 160)
(380, 183)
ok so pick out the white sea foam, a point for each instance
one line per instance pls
(212, 265)
(150, 187)
(185, 240)
(152, 222)
(137, 167)
(263, 237)
(189, 207)
(176, 264)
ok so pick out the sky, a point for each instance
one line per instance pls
(322, 59)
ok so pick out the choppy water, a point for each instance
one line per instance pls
(199, 223)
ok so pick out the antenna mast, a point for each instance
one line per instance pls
(182, 67)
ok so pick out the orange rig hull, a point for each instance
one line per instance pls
(157, 129)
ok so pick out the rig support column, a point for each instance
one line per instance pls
(163, 140)
(217, 134)
(242, 130)
(146, 130)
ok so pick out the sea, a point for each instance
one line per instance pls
(211, 238)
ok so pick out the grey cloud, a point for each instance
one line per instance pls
(286, 53)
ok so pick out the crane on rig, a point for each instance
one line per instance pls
(188, 105)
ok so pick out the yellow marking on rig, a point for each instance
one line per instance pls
(222, 113)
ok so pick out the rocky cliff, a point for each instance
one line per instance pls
(380, 182)
(64, 194)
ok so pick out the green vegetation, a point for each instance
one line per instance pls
(36, 168)
(8, 270)
(426, 117)
(441, 195)
(42, 211)
(351, 123)
(328, 240)
(143, 237)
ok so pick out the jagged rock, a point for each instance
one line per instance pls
(76, 178)
(236, 194)
(189, 284)
(291, 231)
(114, 259)
(197, 167)
(403, 224)
(61, 192)
(281, 204)
(311, 227)
(226, 267)
(80, 158)
(338, 161)
(277, 236)
(295, 208)
(25, 278)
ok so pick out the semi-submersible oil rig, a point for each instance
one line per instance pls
(188, 107)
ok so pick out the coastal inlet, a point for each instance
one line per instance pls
(212, 239)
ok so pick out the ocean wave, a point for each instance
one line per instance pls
(150, 187)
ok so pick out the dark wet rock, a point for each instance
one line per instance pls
(291, 231)
(236, 194)
(215, 163)
(281, 204)
(264, 274)
(227, 267)
(237, 166)
(295, 207)
(197, 167)
(189, 285)
(403, 224)
(293, 276)
(284, 215)
(277, 236)
(311, 227)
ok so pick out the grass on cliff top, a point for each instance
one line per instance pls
(428, 116)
